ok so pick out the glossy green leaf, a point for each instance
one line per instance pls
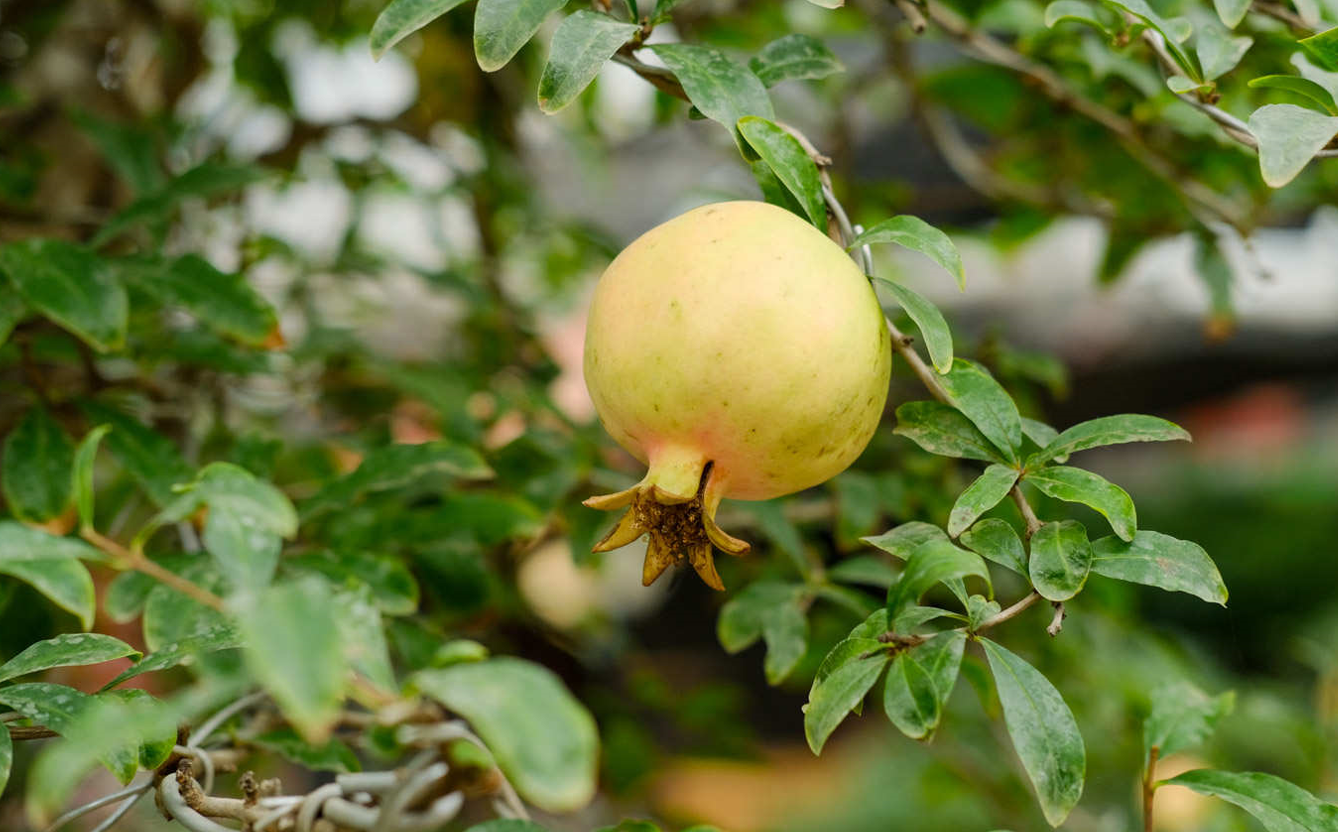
(171, 617)
(37, 470)
(397, 466)
(933, 328)
(22, 543)
(1300, 86)
(837, 693)
(1182, 717)
(331, 755)
(792, 57)
(1076, 485)
(59, 708)
(84, 457)
(582, 44)
(919, 682)
(1182, 85)
(997, 541)
(542, 737)
(225, 303)
(293, 646)
(903, 540)
(1159, 560)
(980, 609)
(148, 456)
(980, 496)
(502, 27)
(401, 18)
(1040, 433)
(1043, 731)
(65, 582)
(1324, 48)
(976, 394)
(1078, 10)
(916, 234)
(66, 650)
(1109, 430)
(246, 555)
(1279, 805)
(791, 164)
(173, 654)
(942, 429)
(72, 286)
(723, 89)
(126, 595)
(774, 612)
(230, 489)
(1061, 558)
(933, 562)
(1289, 137)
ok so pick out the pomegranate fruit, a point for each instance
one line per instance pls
(738, 352)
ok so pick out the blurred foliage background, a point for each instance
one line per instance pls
(429, 240)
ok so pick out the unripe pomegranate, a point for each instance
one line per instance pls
(739, 353)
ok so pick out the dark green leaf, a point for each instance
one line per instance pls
(1061, 557)
(72, 286)
(582, 44)
(1279, 805)
(777, 528)
(1289, 137)
(401, 18)
(995, 540)
(722, 88)
(943, 430)
(1182, 717)
(502, 27)
(1043, 731)
(1159, 560)
(933, 562)
(6, 757)
(916, 234)
(128, 148)
(981, 496)
(203, 181)
(933, 328)
(543, 739)
(976, 394)
(903, 540)
(49, 564)
(126, 595)
(151, 458)
(230, 489)
(1040, 433)
(842, 690)
(38, 465)
(398, 466)
(979, 609)
(1299, 86)
(920, 681)
(791, 164)
(84, 457)
(59, 708)
(170, 616)
(167, 656)
(1324, 48)
(225, 303)
(64, 651)
(1109, 430)
(794, 56)
(332, 755)
(1076, 485)
(293, 646)
(156, 744)
(1168, 30)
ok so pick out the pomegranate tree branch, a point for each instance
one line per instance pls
(126, 558)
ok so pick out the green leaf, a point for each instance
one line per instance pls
(398, 466)
(155, 745)
(920, 681)
(837, 693)
(1040, 433)
(66, 650)
(1279, 805)
(1299, 86)
(863, 569)
(916, 234)
(332, 755)
(364, 637)
(933, 328)
(1076, 485)
(1215, 272)
(1074, 10)
(1289, 137)
(1182, 85)
(902, 541)
(976, 394)
(981, 496)
(59, 708)
(1218, 51)
(1182, 717)
(6, 757)
(979, 610)
(171, 616)
(1043, 731)
(293, 647)
(225, 303)
(230, 489)
(1324, 48)
(997, 541)
(84, 456)
(39, 459)
(401, 18)
(1231, 12)
(47, 563)
(777, 528)
(507, 825)
(129, 148)
(126, 595)
(246, 556)
(21, 543)
(722, 88)
(933, 562)
(794, 57)
(203, 181)
(582, 44)
(1168, 30)
(1061, 557)
(149, 457)
(502, 27)
(791, 164)
(543, 739)
(774, 612)
(72, 286)
(1159, 560)
(185, 651)
(662, 10)
(393, 586)
(12, 308)
(1109, 430)
(942, 429)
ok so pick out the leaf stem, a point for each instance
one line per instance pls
(1024, 508)
(1149, 787)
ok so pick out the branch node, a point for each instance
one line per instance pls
(1057, 623)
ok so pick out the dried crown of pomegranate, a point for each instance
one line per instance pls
(739, 353)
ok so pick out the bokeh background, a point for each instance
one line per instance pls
(431, 239)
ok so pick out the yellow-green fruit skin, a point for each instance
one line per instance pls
(740, 335)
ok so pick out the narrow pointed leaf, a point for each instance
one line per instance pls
(72, 286)
(223, 302)
(942, 429)
(84, 457)
(794, 56)
(902, 541)
(148, 456)
(401, 18)
(1076, 485)
(976, 394)
(37, 468)
(582, 44)
(791, 164)
(1078, 10)
(1324, 48)
(1279, 805)
(917, 235)
(66, 650)
(933, 562)
(1231, 12)
(833, 698)
(933, 328)
(723, 89)
(919, 682)
(1159, 560)
(981, 496)
(185, 651)
(1182, 717)
(502, 27)
(6, 757)
(1109, 430)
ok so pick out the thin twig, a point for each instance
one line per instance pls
(136, 790)
(1024, 508)
(913, 15)
(1150, 787)
(1278, 11)
(1057, 623)
(133, 559)
(1011, 612)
